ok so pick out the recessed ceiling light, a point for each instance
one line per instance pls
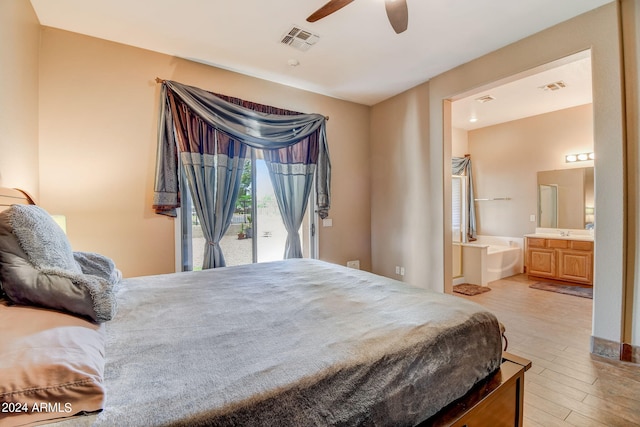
(473, 119)
(293, 62)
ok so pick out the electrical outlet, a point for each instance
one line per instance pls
(354, 264)
(532, 218)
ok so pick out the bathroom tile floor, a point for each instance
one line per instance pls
(566, 386)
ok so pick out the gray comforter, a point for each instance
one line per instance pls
(296, 342)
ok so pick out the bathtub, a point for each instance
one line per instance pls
(491, 258)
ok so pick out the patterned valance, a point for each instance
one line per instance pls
(276, 133)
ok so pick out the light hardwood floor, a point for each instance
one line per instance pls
(566, 386)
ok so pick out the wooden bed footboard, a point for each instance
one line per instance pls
(496, 401)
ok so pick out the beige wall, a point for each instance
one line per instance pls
(507, 157)
(400, 188)
(459, 142)
(19, 35)
(98, 115)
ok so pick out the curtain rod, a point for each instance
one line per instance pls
(159, 80)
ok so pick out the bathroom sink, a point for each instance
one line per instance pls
(578, 237)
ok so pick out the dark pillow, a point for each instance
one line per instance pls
(38, 267)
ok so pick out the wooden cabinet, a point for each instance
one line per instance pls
(576, 266)
(560, 259)
(540, 258)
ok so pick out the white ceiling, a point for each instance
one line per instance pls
(525, 96)
(358, 57)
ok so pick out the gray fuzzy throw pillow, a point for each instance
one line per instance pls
(38, 267)
(42, 239)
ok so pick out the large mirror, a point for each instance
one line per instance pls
(566, 198)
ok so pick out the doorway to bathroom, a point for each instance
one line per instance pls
(531, 124)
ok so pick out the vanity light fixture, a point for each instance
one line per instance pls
(571, 158)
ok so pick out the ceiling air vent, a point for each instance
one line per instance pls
(485, 98)
(299, 39)
(554, 86)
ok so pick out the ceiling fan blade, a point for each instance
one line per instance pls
(398, 14)
(328, 9)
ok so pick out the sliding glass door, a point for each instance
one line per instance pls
(256, 233)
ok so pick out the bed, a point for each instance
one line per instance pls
(297, 342)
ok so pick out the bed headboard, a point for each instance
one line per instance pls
(13, 196)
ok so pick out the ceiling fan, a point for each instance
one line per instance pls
(396, 11)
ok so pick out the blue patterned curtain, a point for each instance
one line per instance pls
(212, 162)
(291, 170)
(462, 166)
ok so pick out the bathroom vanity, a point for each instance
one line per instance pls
(560, 257)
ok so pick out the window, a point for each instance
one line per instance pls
(458, 207)
(458, 220)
